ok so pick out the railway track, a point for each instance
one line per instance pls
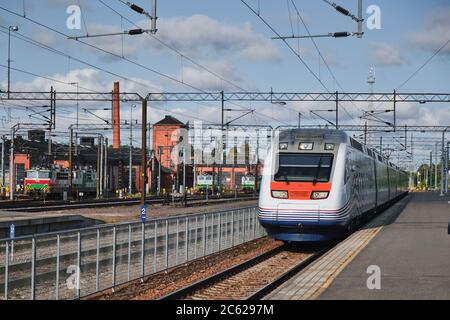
(254, 278)
(39, 206)
(93, 258)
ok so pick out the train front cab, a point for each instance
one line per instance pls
(302, 191)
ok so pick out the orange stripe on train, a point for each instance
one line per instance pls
(300, 190)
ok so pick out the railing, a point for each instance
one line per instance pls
(76, 263)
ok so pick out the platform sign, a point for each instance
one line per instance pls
(144, 213)
(12, 231)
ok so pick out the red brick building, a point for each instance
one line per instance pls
(162, 146)
(164, 140)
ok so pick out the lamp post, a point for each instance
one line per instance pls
(446, 166)
(443, 160)
(15, 29)
(436, 166)
(12, 173)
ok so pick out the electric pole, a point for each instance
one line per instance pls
(144, 151)
(70, 163)
(130, 173)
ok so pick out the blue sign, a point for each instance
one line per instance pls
(12, 231)
(144, 213)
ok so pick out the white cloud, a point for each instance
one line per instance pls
(386, 55)
(88, 79)
(205, 80)
(423, 115)
(436, 32)
(200, 35)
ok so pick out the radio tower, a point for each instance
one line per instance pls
(371, 81)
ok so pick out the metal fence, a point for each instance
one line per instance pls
(76, 263)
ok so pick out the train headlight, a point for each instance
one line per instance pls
(279, 194)
(319, 195)
(283, 146)
(306, 146)
(329, 146)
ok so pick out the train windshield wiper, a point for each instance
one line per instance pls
(317, 171)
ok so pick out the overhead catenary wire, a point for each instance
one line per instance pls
(107, 52)
(103, 50)
(168, 46)
(53, 50)
(424, 64)
(71, 57)
(288, 45)
(83, 17)
(321, 55)
(41, 76)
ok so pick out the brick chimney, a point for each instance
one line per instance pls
(116, 116)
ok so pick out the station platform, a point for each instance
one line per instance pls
(27, 223)
(409, 244)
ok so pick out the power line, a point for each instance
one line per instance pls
(58, 52)
(286, 43)
(290, 47)
(424, 64)
(118, 56)
(39, 76)
(104, 50)
(174, 49)
(421, 67)
(321, 56)
(84, 18)
(53, 50)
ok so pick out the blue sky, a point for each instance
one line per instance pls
(228, 39)
(350, 58)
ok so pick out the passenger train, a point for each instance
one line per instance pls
(318, 184)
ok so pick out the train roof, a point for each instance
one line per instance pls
(316, 134)
(336, 136)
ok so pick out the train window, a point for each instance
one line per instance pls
(355, 144)
(302, 167)
(348, 168)
(43, 174)
(32, 174)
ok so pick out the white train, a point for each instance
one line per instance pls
(320, 183)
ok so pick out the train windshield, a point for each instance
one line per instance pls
(301, 167)
(33, 174)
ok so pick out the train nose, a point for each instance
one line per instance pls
(298, 214)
